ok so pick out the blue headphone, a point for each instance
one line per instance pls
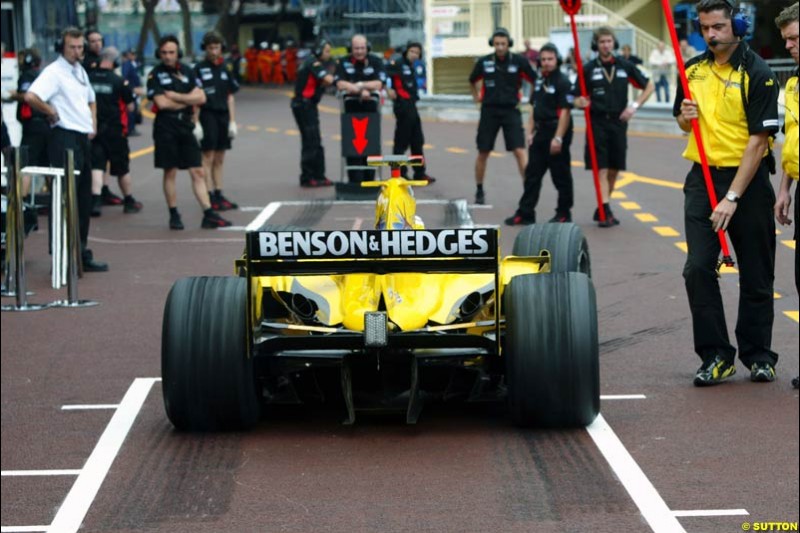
(739, 21)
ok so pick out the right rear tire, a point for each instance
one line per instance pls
(551, 350)
(569, 250)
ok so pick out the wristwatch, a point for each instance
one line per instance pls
(731, 196)
(634, 105)
(558, 139)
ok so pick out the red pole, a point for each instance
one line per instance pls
(712, 195)
(586, 112)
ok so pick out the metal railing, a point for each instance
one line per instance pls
(64, 235)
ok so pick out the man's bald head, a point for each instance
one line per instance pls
(358, 46)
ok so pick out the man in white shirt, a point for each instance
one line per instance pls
(661, 62)
(63, 93)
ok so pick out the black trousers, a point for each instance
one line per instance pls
(357, 176)
(312, 154)
(752, 234)
(408, 133)
(60, 141)
(539, 161)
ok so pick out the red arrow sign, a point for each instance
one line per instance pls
(360, 133)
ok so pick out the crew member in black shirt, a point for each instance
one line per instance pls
(312, 78)
(114, 99)
(607, 78)
(35, 128)
(404, 93)
(174, 90)
(360, 74)
(501, 73)
(217, 116)
(549, 139)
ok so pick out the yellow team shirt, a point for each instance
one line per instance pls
(789, 158)
(725, 123)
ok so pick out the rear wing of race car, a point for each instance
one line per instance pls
(312, 252)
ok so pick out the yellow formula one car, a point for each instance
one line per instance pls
(394, 317)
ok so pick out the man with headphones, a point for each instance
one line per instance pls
(500, 76)
(360, 74)
(217, 115)
(62, 92)
(35, 128)
(174, 89)
(404, 93)
(110, 146)
(549, 137)
(312, 78)
(789, 24)
(735, 101)
(607, 79)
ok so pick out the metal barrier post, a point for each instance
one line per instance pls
(15, 228)
(73, 238)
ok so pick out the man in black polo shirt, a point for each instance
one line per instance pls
(549, 138)
(35, 128)
(360, 74)
(174, 90)
(312, 78)
(607, 78)
(502, 73)
(217, 116)
(110, 147)
(94, 47)
(404, 93)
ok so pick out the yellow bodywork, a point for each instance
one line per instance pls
(412, 300)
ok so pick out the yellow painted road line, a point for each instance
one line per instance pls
(427, 146)
(625, 179)
(724, 269)
(273, 130)
(328, 109)
(789, 243)
(456, 150)
(336, 137)
(618, 195)
(292, 132)
(252, 128)
(666, 231)
(794, 315)
(576, 163)
(388, 143)
(143, 151)
(630, 206)
(497, 154)
(646, 217)
(777, 295)
(146, 113)
(654, 181)
(682, 246)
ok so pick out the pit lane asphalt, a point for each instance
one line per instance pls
(727, 448)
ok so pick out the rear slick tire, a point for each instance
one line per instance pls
(551, 350)
(208, 378)
(569, 250)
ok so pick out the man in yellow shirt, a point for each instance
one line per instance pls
(787, 22)
(735, 100)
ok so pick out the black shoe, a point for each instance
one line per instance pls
(796, 382)
(131, 206)
(480, 197)
(90, 265)
(225, 204)
(97, 203)
(519, 220)
(762, 373)
(212, 220)
(714, 371)
(315, 183)
(561, 217)
(596, 216)
(175, 221)
(109, 198)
